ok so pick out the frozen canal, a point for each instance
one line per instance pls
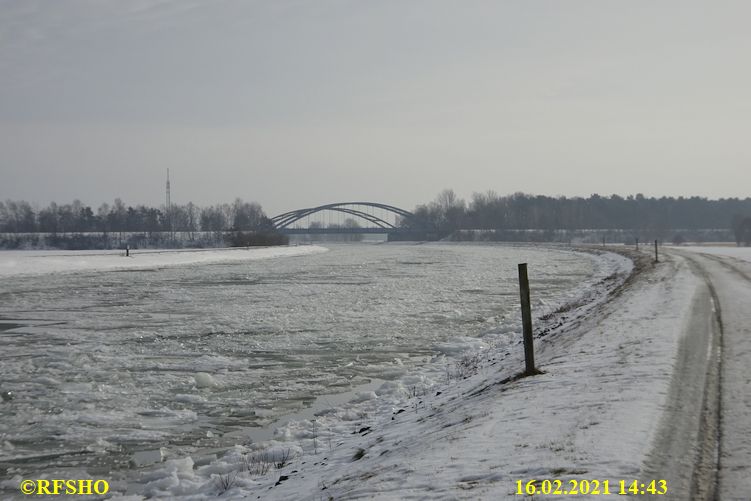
(105, 363)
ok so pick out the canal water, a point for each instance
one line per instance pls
(102, 364)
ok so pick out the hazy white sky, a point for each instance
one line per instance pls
(297, 103)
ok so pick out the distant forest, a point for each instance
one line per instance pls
(78, 226)
(22, 217)
(656, 217)
(446, 215)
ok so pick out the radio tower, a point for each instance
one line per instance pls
(168, 205)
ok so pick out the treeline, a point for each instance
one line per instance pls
(78, 226)
(22, 217)
(500, 217)
(742, 230)
(490, 211)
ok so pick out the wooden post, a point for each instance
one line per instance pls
(637, 243)
(657, 258)
(127, 250)
(529, 353)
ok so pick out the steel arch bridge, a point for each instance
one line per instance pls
(282, 223)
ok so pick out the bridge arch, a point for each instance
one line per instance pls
(283, 221)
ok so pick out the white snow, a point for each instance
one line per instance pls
(592, 415)
(464, 430)
(115, 355)
(463, 427)
(41, 262)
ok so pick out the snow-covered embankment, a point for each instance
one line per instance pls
(471, 430)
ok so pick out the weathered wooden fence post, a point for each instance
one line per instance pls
(529, 353)
(657, 258)
(637, 243)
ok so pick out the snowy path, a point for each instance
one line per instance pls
(731, 281)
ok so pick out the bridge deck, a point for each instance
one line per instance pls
(330, 231)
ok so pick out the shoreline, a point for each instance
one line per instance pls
(17, 264)
(309, 438)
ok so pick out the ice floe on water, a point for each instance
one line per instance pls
(204, 380)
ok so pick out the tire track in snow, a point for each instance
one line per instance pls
(725, 264)
(730, 483)
(687, 449)
(734, 457)
(706, 479)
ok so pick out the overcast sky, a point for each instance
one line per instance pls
(298, 103)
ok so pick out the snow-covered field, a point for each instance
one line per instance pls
(424, 343)
(107, 366)
(43, 262)
(591, 416)
(463, 430)
(473, 432)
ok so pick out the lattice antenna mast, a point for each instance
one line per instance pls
(168, 205)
